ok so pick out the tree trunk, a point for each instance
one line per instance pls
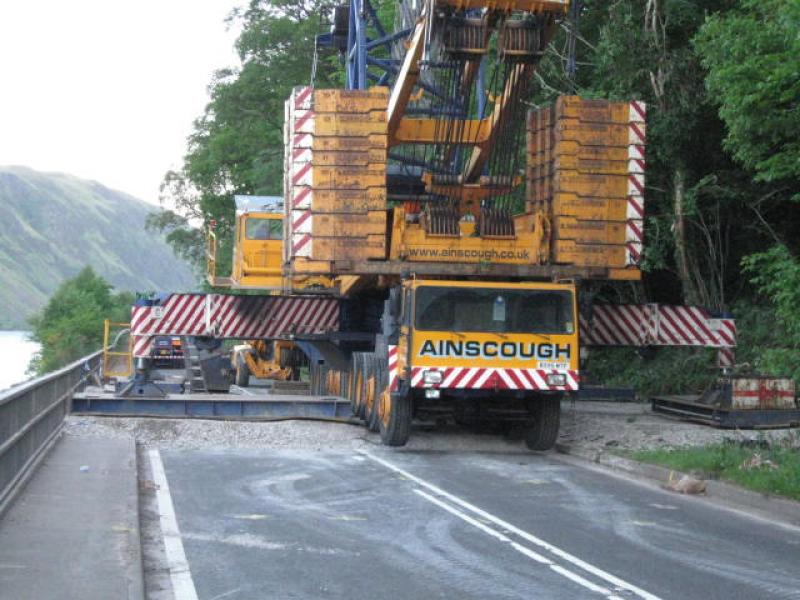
(679, 231)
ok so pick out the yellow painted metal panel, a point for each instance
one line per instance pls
(589, 255)
(348, 224)
(591, 134)
(577, 150)
(351, 101)
(351, 143)
(300, 264)
(348, 248)
(627, 274)
(429, 131)
(588, 232)
(355, 178)
(601, 209)
(598, 111)
(344, 124)
(602, 186)
(348, 201)
(539, 163)
(361, 158)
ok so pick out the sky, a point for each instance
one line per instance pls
(107, 89)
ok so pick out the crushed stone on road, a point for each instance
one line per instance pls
(592, 426)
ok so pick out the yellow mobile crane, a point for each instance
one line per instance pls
(419, 224)
(453, 224)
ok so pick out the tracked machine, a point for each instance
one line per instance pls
(438, 232)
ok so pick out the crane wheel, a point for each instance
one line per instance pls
(355, 383)
(541, 432)
(242, 376)
(377, 382)
(394, 418)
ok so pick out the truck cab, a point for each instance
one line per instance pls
(258, 250)
(486, 351)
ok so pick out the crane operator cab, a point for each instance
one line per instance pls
(258, 251)
(258, 247)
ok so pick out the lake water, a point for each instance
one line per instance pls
(16, 351)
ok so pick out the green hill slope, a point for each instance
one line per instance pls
(53, 224)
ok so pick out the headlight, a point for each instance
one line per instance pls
(557, 380)
(432, 377)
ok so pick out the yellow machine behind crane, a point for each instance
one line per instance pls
(258, 265)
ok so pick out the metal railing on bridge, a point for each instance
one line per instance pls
(31, 415)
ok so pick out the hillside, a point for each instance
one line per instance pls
(53, 224)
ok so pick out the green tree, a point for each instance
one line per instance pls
(71, 323)
(236, 146)
(753, 59)
(752, 55)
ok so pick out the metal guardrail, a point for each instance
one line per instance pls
(31, 415)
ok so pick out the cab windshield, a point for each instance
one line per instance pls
(493, 310)
(263, 229)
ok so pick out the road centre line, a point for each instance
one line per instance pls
(509, 528)
(179, 572)
(520, 548)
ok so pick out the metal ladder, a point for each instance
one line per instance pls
(194, 371)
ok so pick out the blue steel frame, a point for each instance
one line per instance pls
(365, 35)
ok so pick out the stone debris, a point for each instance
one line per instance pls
(686, 484)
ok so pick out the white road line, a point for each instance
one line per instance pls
(508, 527)
(180, 575)
(520, 548)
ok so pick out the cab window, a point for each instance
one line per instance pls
(263, 229)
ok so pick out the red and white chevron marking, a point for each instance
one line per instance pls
(471, 378)
(302, 98)
(299, 173)
(657, 325)
(179, 314)
(634, 231)
(142, 345)
(302, 198)
(238, 317)
(726, 358)
(391, 360)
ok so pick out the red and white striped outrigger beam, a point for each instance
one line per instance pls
(232, 317)
(659, 325)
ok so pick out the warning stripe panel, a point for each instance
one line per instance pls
(656, 325)
(238, 317)
(494, 378)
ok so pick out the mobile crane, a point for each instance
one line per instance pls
(419, 272)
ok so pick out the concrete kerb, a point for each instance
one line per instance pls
(136, 566)
(727, 495)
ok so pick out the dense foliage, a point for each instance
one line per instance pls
(71, 324)
(721, 81)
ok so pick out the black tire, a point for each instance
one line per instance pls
(353, 384)
(542, 432)
(395, 420)
(242, 372)
(375, 369)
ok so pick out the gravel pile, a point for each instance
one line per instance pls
(593, 426)
(600, 426)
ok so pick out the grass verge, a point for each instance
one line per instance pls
(771, 469)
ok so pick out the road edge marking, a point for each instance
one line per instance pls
(179, 573)
(508, 527)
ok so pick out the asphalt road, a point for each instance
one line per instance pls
(302, 524)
